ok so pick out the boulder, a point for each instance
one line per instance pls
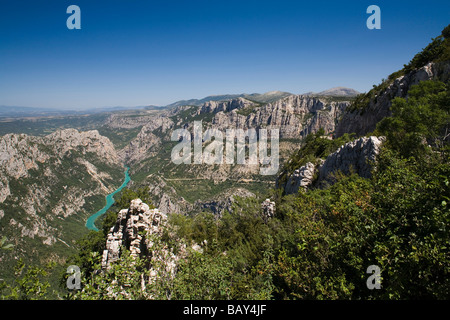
(301, 178)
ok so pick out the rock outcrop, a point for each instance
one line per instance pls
(268, 209)
(225, 106)
(301, 178)
(357, 156)
(134, 230)
(139, 230)
(222, 203)
(149, 140)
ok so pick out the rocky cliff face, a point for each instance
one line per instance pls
(47, 183)
(19, 153)
(295, 116)
(224, 106)
(268, 209)
(364, 121)
(357, 156)
(149, 140)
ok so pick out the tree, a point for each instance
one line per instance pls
(30, 284)
(420, 121)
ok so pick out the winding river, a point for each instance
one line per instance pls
(90, 223)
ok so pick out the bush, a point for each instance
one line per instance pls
(420, 121)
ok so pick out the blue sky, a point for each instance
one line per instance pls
(135, 53)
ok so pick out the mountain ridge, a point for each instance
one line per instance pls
(335, 92)
(267, 97)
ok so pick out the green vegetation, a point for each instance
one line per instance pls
(4, 245)
(394, 220)
(46, 125)
(250, 109)
(423, 117)
(203, 189)
(30, 283)
(119, 137)
(438, 50)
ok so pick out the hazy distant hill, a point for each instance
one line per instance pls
(14, 111)
(19, 112)
(264, 97)
(336, 92)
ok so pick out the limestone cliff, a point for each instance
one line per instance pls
(133, 230)
(224, 106)
(357, 156)
(295, 116)
(50, 184)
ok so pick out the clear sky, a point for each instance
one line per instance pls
(136, 52)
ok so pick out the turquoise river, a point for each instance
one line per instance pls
(90, 223)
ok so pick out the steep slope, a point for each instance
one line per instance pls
(363, 120)
(295, 116)
(48, 187)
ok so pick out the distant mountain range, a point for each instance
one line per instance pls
(336, 92)
(264, 97)
(19, 112)
(14, 111)
(268, 97)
